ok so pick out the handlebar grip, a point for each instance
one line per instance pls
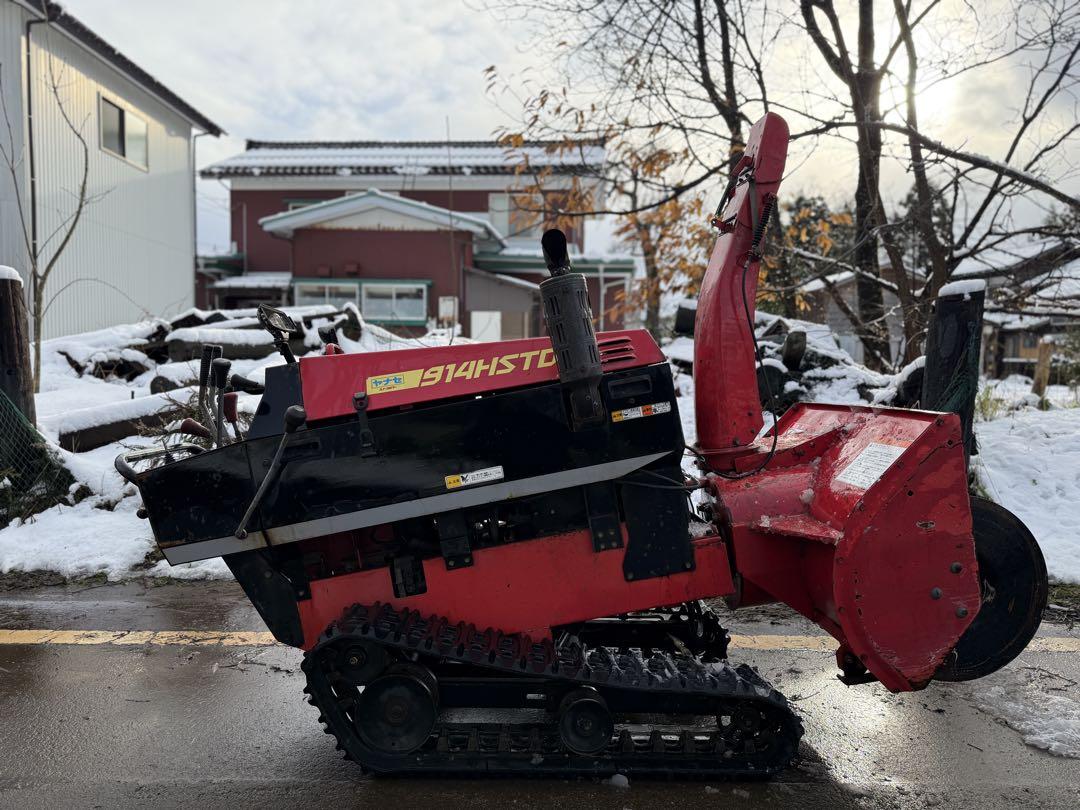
(240, 383)
(193, 428)
(219, 371)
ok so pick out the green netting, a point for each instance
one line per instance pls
(31, 476)
(959, 395)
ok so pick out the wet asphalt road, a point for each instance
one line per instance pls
(208, 726)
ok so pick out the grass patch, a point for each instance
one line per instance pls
(987, 405)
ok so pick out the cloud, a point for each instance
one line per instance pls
(334, 69)
(359, 69)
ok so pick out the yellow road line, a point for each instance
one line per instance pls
(212, 638)
(770, 642)
(233, 638)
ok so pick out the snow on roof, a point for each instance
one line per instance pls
(1003, 256)
(524, 284)
(255, 281)
(286, 222)
(586, 256)
(1015, 322)
(277, 158)
(818, 284)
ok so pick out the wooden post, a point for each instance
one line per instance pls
(1042, 369)
(16, 374)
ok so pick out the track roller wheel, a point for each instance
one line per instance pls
(396, 712)
(361, 662)
(741, 724)
(1012, 579)
(585, 724)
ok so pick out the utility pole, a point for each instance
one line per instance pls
(16, 375)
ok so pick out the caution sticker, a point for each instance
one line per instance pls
(475, 477)
(637, 413)
(867, 467)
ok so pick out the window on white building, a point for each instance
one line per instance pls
(394, 302)
(123, 133)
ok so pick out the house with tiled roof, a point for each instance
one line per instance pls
(412, 232)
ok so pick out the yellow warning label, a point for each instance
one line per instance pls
(396, 381)
(637, 413)
(475, 477)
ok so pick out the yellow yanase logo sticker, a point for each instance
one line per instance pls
(467, 370)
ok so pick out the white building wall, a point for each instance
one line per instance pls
(131, 255)
(12, 20)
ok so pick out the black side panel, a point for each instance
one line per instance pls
(282, 390)
(200, 497)
(523, 433)
(658, 523)
(271, 593)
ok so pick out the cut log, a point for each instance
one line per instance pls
(90, 428)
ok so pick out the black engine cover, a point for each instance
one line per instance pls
(432, 460)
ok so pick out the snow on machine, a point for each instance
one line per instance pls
(507, 526)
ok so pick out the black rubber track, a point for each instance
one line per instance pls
(749, 730)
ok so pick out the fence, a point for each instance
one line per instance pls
(32, 478)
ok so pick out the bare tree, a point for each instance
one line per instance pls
(979, 193)
(668, 86)
(42, 255)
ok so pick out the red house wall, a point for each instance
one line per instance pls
(266, 253)
(386, 255)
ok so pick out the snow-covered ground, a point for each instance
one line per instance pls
(1029, 462)
(1040, 705)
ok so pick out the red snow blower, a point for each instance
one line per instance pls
(507, 526)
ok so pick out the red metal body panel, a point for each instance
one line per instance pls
(528, 587)
(726, 396)
(408, 376)
(871, 561)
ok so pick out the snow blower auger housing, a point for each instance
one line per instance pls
(507, 526)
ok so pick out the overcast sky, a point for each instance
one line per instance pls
(334, 69)
(376, 69)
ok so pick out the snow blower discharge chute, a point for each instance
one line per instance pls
(506, 526)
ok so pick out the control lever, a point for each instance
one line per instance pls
(219, 377)
(210, 352)
(231, 415)
(295, 417)
(238, 383)
(328, 334)
(195, 428)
